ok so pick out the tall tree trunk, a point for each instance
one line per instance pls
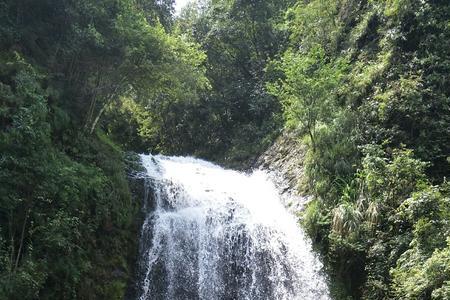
(313, 140)
(22, 238)
(114, 93)
(100, 113)
(11, 234)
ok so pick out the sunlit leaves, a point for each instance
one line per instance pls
(309, 87)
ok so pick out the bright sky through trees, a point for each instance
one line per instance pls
(179, 4)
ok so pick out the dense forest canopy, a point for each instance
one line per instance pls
(365, 84)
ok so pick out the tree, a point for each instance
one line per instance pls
(308, 89)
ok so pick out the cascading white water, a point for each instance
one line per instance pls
(216, 234)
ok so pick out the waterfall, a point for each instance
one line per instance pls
(217, 234)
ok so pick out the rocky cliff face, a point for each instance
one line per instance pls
(285, 162)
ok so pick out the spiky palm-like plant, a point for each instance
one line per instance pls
(347, 218)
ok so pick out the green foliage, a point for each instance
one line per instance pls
(54, 208)
(309, 88)
(68, 224)
(314, 23)
(314, 220)
(367, 82)
(423, 271)
(237, 118)
(163, 106)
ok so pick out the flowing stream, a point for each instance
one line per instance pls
(217, 234)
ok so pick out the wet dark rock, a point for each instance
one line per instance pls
(285, 160)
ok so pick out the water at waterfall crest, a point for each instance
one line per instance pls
(217, 234)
